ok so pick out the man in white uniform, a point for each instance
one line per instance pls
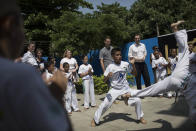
(116, 73)
(180, 77)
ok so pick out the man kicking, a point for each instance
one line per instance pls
(180, 79)
(116, 74)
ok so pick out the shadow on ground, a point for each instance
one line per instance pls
(166, 126)
(180, 108)
(116, 116)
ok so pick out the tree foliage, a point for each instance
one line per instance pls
(146, 15)
(60, 22)
(84, 32)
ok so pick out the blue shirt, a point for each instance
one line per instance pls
(25, 102)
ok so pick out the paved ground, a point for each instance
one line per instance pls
(161, 114)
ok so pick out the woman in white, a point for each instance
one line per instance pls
(86, 71)
(73, 65)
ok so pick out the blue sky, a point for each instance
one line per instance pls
(125, 3)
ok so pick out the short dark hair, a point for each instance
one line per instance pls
(39, 50)
(50, 58)
(48, 64)
(82, 57)
(8, 7)
(64, 64)
(138, 35)
(107, 37)
(114, 50)
(154, 47)
(31, 43)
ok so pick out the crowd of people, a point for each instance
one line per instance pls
(27, 103)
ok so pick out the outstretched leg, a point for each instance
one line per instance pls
(180, 74)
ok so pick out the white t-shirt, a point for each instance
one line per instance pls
(69, 76)
(29, 58)
(72, 62)
(48, 75)
(152, 56)
(161, 70)
(118, 79)
(192, 67)
(83, 69)
(173, 62)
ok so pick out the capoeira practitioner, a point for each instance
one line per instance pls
(70, 97)
(86, 71)
(181, 78)
(116, 73)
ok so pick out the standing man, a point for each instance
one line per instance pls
(29, 56)
(105, 54)
(138, 52)
(106, 57)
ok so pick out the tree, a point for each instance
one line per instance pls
(38, 14)
(82, 33)
(148, 15)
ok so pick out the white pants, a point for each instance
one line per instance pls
(70, 98)
(179, 78)
(160, 79)
(88, 86)
(169, 93)
(134, 101)
(109, 99)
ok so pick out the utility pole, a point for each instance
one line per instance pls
(157, 27)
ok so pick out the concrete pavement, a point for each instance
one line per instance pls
(161, 114)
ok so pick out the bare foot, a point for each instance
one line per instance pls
(160, 96)
(86, 108)
(169, 97)
(174, 26)
(78, 110)
(93, 124)
(116, 102)
(126, 100)
(69, 113)
(143, 121)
